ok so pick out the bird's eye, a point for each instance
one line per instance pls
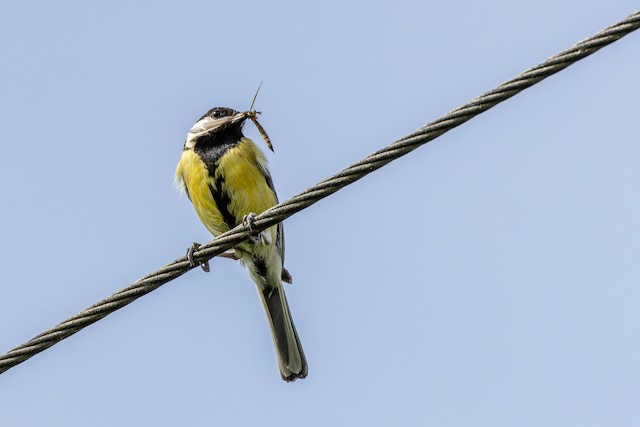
(215, 114)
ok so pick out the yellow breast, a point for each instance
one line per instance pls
(239, 174)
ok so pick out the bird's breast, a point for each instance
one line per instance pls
(225, 189)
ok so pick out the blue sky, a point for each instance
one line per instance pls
(490, 278)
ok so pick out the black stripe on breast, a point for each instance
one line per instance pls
(259, 265)
(211, 148)
(223, 202)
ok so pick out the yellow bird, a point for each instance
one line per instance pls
(225, 176)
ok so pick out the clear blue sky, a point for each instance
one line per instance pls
(490, 278)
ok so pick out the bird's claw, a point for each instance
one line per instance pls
(248, 220)
(263, 238)
(192, 261)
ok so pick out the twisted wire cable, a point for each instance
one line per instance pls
(321, 190)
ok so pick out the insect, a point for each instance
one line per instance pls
(253, 115)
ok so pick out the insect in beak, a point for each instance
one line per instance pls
(253, 116)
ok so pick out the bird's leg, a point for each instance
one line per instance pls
(192, 261)
(263, 238)
(229, 255)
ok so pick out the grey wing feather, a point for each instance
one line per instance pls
(280, 229)
(286, 276)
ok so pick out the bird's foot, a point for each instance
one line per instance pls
(264, 238)
(192, 261)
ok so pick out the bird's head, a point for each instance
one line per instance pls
(213, 121)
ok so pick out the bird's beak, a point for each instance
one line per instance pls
(211, 125)
(239, 118)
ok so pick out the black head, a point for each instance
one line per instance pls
(218, 112)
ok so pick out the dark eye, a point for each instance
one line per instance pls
(215, 114)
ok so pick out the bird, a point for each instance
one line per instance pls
(226, 177)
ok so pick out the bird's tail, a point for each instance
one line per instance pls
(291, 358)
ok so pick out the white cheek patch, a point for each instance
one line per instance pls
(191, 141)
(197, 130)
